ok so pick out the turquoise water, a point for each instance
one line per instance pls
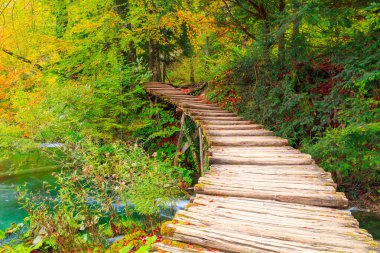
(370, 222)
(33, 168)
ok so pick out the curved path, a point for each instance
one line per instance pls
(260, 195)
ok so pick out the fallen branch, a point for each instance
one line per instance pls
(196, 88)
(21, 58)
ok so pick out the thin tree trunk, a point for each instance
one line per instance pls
(150, 55)
(132, 54)
(266, 48)
(154, 60)
(157, 64)
(192, 74)
(164, 67)
(207, 52)
(122, 8)
(281, 39)
(295, 33)
(21, 58)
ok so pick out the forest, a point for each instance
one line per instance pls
(72, 77)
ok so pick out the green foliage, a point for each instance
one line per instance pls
(80, 213)
(352, 154)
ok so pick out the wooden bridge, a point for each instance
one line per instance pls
(259, 195)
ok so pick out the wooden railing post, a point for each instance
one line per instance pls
(180, 137)
(201, 150)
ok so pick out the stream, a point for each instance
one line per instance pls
(35, 168)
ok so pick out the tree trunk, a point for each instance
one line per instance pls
(62, 18)
(122, 9)
(164, 67)
(131, 54)
(154, 61)
(267, 46)
(295, 34)
(192, 74)
(207, 52)
(281, 39)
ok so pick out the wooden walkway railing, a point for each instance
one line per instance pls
(259, 195)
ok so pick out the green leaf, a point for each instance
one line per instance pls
(126, 249)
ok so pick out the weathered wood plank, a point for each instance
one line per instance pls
(298, 234)
(261, 132)
(183, 248)
(277, 186)
(256, 160)
(233, 127)
(247, 141)
(316, 198)
(259, 195)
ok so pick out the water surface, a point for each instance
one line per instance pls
(370, 222)
(33, 168)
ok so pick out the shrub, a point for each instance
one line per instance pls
(82, 211)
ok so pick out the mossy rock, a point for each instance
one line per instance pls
(190, 205)
(199, 186)
(132, 240)
(166, 230)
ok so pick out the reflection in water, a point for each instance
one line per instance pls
(33, 168)
(369, 221)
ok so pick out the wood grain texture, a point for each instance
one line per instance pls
(259, 194)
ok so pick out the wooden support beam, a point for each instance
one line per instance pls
(179, 142)
(187, 144)
(192, 148)
(201, 150)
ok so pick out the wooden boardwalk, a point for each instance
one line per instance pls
(260, 195)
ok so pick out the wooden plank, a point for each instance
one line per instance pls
(211, 113)
(254, 149)
(247, 141)
(331, 238)
(271, 169)
(270, 179)
(275, 223)
(272, 204)
(281, 209)
(200, 103)
(314, 198)
(255, 160)
(260, 132)
(243, 242)
(204, 107)
(276, 186)
(223, 122)
(233, 127)
(219, 118)
(260, 154)
(184, 248)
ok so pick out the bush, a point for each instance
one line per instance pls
(82, 211)
(352, 155)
